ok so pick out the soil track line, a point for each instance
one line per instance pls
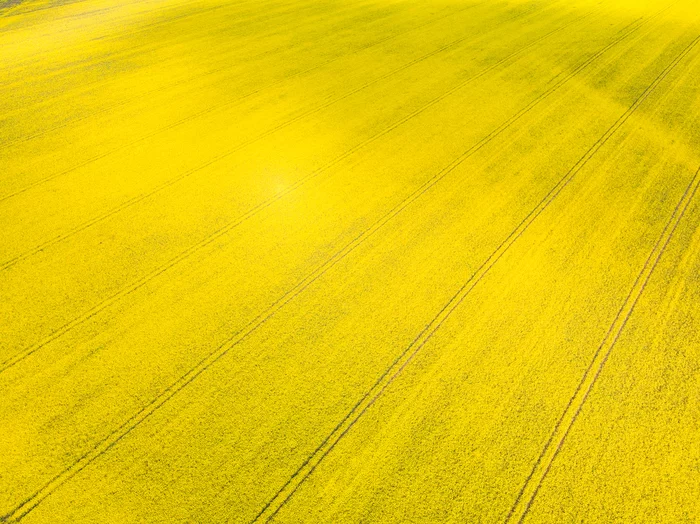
(130, 288)
(243, 25)
(103, 446)
(556, 440)
(229, 103)
(394, 370)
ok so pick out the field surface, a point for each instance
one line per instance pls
(349, 261)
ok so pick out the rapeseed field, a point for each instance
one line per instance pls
(349, 261)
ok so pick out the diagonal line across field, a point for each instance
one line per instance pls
(556, 440)
(129, 425)
(186, 254)
(240, 99)
(395, 369)
(530, 488)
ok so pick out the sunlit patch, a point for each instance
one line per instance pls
(366, 261)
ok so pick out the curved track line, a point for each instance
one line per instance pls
(102, 447)
(104, 304)
(285, 493)
(544, 462)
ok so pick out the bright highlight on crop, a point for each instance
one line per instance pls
(356, 261)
